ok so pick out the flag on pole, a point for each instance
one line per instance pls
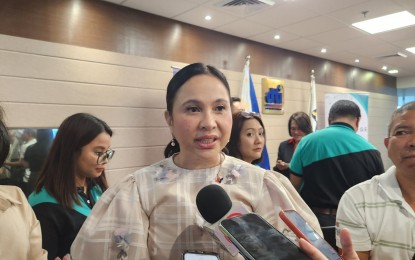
(250, 104)
(312, 112)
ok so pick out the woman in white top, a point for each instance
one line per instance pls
(152, 214)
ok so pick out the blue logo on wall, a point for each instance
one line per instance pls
(273, 98)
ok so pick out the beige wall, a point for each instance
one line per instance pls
(41, 83)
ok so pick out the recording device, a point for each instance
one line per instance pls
(303, 230)
(215, 205)
(200, 255)
(256, 239)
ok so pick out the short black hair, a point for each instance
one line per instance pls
(400, 111)
(344, 108)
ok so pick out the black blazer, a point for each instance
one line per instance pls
(285, 153)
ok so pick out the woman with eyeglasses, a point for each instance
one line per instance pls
(71, 181)
(247, 137)
(153, 214)
(299, 125)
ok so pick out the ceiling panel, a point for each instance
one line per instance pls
(313, 26)
(268, 37)
(243, 28)
(197, 17)
(336, 35)
(281, 15)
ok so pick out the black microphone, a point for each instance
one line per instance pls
(215, 205)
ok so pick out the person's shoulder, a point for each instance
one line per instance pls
(43, 196)
(371, 185)
(12, 193)
(232, 162)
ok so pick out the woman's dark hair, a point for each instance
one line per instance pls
(4, 139)
(233, 145)
(181, 77)
(303, 122)
(58, 173)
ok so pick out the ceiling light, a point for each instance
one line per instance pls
(387, 22)
(208, 17)
(277, 37)
(393, 71)
(412, 49)
(384, 68)
(403, 55)
(323, 50)
(356, 60)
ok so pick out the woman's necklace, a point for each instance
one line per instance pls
(218, 178)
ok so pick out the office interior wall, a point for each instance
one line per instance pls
(106, 26)
(41, 83)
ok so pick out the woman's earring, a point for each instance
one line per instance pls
(172, 143)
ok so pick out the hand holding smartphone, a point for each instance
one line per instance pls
(303, 230)
(257, 239)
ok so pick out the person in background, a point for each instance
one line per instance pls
(35, 157)
(328, 162)
(236, 104)
(20, 168)
(152, 214)
(299, 125)
(20, 234)
(247, 137)
(72, 180)
(380, 213)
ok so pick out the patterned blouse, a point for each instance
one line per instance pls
(152, 214)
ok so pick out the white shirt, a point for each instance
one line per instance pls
(378, 217)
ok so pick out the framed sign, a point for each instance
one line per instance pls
(272, 96)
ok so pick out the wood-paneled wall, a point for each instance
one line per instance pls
(105, 26)
(41, 83)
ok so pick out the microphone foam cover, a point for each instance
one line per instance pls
(213, 203)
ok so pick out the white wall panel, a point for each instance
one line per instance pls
(41, 83)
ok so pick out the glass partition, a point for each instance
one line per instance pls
(28, 150)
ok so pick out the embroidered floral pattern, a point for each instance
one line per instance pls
(122, 240)
(164, 174)
(233, 175)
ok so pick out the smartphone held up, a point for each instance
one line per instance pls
(303, 230)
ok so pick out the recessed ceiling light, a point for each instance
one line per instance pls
(393, 71)
(323, 50)
(412, 49)
(387, 22)
(356, 60)
(208, 17)
(277, 37)
(384, 68)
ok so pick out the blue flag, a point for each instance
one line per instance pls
(250, 104)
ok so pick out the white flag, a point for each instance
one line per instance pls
(312, 112)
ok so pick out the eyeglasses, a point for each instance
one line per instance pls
(249, 114)
(104, 156)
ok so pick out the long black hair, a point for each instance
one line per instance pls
(58, 173)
